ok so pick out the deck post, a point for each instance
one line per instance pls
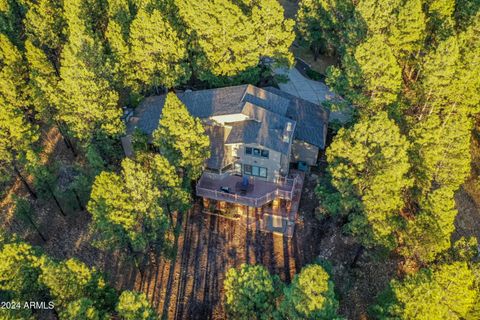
(206, 203)
(276, 203)
(222, 205)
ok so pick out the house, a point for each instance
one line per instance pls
(257, 135)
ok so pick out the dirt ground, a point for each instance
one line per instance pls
(190, 286)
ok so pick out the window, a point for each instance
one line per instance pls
(238, 167)
(254, 171)
(263, 172)
(257, 152)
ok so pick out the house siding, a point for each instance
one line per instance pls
(302, 151)
(273, 164)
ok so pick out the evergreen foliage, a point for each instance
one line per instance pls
(444, 292)
(126, 208)
(157, 56)
(134, 306)
(181, 138)
(310, 295)
(418, 61)
(78, 292)
(382, 76)
(369, 164)
(251, 292)
(89, 105)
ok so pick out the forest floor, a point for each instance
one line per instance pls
(190, 285)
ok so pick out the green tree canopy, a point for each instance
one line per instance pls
(89, 105)
(444, 292)
(43, 81)
(158, 55)
(20, 270)
(382, 76)
(45, 25)
(134, 306)
(368, 166)
(126, 208)
(251, 292)
(70, 281)
(81, 309)
(407, 31)
(181, 138)
(228, 46)
(310, 296)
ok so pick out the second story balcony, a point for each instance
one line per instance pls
(232, 188)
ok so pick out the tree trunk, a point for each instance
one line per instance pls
(57, 202)
(135, 260)
(78, 200)
(169, 211)
(25, 183)
(66, 139)
(316, 52)
(36, 228)
(358, 254)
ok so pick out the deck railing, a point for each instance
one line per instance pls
(248, 200)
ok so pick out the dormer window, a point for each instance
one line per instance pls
(256, 152)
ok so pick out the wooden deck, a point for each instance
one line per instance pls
(259, 193)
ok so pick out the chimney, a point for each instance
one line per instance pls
(287, 132)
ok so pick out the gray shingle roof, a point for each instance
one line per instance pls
(216, 134)
(269, 110)
(311, 118)
(147, 115)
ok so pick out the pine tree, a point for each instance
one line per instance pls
(45, 25)
(43, 82)
(157, 56)
(407, 32)
(441, 21)
(71, 280)
(174, 198)
(134, 306)
(378, 14)
(120, 16)
(126, 208)
(315, 26)
(12, 13)
(466, 12)
(468, 76)
(17, 135)
(20, 270)
(181, 138)
(227, 48)
(439, 68)
(381, 73)
(310, 295)
(13, 75)
(329, 25)
(368, 165)
(88, 102)
(444, 292)
(81, 309)
(251, 292)
(274, 34)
